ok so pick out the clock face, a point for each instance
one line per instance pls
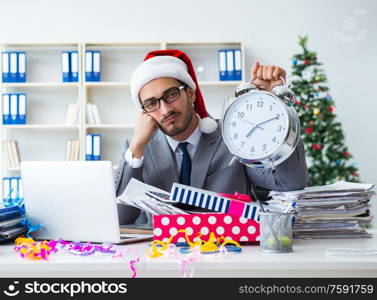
(255, 125)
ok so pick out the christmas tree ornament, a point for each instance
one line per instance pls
(261, 129)
(316, 111)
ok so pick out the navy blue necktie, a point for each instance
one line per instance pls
(185, 175)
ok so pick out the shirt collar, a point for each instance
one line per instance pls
(193, 139)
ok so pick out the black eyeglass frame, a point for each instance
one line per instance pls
(179, 88)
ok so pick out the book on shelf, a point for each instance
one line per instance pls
(72, 115)
(73, 150)
(92, 114)
(12, 154)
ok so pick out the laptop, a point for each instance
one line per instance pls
(73, 201)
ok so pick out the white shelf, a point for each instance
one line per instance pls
(41, 126)
(109, 126)
(48, 96)
(41, 85)
(107, 84)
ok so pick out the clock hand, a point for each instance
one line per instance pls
(274, 118)
(252, 124)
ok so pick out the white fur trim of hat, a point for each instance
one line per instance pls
(158, 67)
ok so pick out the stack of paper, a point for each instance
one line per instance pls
(11, 225)
(137, 194)
(339, 210)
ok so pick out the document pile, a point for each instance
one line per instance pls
(339, 210)
(11, 223)
(148, 198)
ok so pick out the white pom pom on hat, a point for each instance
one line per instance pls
(175, 64)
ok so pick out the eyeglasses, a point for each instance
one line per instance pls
(171, 95)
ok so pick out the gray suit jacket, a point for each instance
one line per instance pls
(210, 169)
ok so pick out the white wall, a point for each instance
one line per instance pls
(343, 32)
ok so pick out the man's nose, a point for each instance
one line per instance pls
(164, 107)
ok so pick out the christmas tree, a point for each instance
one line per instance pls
(327, 155)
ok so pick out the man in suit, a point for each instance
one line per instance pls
(175, 140)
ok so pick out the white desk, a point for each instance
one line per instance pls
(307, 260)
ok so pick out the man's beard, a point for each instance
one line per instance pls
(178, 130)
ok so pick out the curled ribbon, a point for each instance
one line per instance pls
(121, 253)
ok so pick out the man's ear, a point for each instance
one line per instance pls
(191, 94)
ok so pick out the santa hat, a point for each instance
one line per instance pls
(174, 64)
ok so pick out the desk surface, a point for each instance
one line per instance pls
(307, 260)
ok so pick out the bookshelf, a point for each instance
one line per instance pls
(45, 134)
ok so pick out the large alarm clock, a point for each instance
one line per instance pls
(261, 129)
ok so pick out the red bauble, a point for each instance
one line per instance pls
(346, 154)
(331, 108)
(298, 103)
(307, 61)
(308, 130)
(316, 146)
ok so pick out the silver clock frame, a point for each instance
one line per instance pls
(291, 138)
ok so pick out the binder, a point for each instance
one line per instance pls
(13, 109)
(65, 66)
(6, 109)
(229, 64)
(21, 108)
(6, 189)
(14, 189)
(20, 190)
(74, 66)
(6, 66)
(96, 66)
(89, 147)
(237, 64)
(222, 65)
(96, 147)
(89, 65)
(21, 65)
(13, 67)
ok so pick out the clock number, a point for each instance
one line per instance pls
(260, 103)
(277, 116)
(235, 136)
(241, 114)
(270, 107)
(234, 124)
(252, 149)
(242, 144)
(280, 128)
(249, 106)
(264, 147)
(274, 139)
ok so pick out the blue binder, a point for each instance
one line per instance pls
(6, 189)
(96, 65)
(237, 64)
(20, 190)
(13, 66)
(74, 66)
(229, 64)
(6, 109)
(14, 189)
(21, 108)
(21, 66)
(13, 108)
(88, 147)
(96, 147)
(222, 65)
(89, 65)
(65, 66)
(6, 66)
